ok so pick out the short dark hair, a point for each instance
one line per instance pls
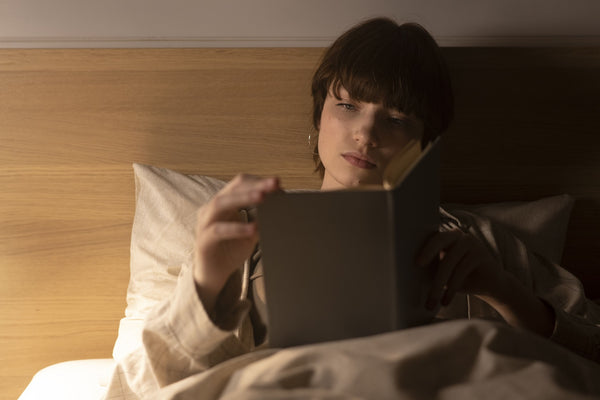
(400, 66)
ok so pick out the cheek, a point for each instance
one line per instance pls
(329, 143)
(323, 144)
(400, 139)
(386, 158)
(400, 143)
(331, 127)
(326, 132)
(395, 146)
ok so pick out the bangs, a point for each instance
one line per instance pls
(377, 72)
(393, 94)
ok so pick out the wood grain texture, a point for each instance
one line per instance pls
(73, 121)
(71, 124)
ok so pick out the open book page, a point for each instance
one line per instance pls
(402, 163)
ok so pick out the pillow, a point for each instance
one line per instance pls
(540, 224)
(161, 241)
(165, 218)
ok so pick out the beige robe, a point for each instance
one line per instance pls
(189, 354)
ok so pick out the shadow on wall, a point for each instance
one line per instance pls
(530, 118)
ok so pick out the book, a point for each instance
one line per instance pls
(341, 264)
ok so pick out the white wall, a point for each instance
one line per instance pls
(190, 23)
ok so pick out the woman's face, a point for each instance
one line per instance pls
(357, 140)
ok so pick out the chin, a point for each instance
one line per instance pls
(351, 180)
(358, 181)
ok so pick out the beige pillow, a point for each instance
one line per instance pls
(161, 241)
(165, 217)
(541, 224)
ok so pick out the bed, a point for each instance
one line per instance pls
(73, 121)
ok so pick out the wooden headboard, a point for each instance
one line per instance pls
(73, 121)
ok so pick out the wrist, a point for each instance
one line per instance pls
(208, 287)
(519, 306)
(207, 297)
(499, 290)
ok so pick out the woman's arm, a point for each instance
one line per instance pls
(185, 334)
(466, 266)
(179, 339)
(223, 239)
(520, 307)
(526, 289)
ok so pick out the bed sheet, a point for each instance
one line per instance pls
(71, 380)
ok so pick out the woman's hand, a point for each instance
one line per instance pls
(224, 240)
(465, 265)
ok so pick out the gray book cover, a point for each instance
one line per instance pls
(340, 264)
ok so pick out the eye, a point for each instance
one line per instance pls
(347, 106)
(398, 122)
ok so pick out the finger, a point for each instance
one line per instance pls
(447, 265)
(435, 244)
(227, 205)
(221, 231)
(246, 194)
(456, 281)
(243, 183)
(453, 254)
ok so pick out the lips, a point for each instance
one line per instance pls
(359, 160)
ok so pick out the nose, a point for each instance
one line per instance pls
(365, 133)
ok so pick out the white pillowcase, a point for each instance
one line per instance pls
(165, 217)
(161, 241)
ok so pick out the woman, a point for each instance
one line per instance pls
(379, 86)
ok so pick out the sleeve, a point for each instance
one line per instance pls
(577, 319)
(180, 339)
(578, 334)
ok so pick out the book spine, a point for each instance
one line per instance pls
(393, 247)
